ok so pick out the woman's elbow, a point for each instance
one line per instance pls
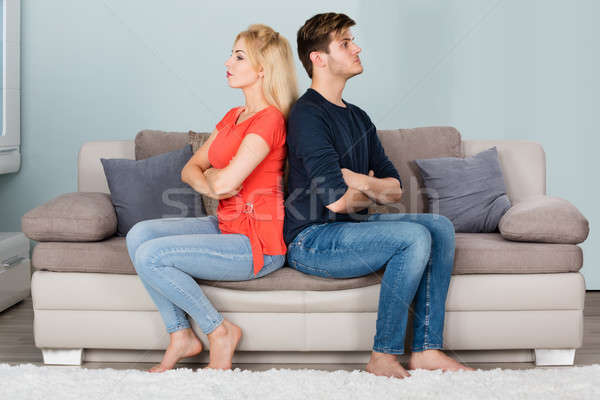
(220, 186)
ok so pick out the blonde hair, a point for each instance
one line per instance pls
(273, 52)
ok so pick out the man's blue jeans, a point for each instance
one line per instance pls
(168, 252)
(418, 253)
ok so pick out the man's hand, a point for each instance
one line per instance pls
(379, 190)
(355, 180)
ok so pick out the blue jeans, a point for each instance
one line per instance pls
(168, 252)
(418, 253)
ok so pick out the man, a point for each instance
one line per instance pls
(337, 168)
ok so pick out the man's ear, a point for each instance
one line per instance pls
(317, 58)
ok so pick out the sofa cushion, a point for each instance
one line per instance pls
(403, 146)
(149, 142)
(476, 253)
(469, 191)
(151, 188)
(544, 219)
(490, 253)
(197, 139)
(72, 217)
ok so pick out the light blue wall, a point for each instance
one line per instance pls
(512, 69)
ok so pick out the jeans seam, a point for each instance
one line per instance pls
(171, 250)
(193, 300)
(430, 346)
(179, 322)
(385, 326)
(427, 303)
(387, 350)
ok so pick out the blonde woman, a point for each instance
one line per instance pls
(241, 165)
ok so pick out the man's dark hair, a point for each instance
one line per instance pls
(314, 35)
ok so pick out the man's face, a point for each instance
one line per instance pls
(343, 59)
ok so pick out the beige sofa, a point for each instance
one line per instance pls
(508, 300)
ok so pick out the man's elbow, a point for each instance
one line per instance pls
(389, 198)
(338, 206)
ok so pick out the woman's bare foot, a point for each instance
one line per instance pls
(222, 342)
(184, 343)
(435, 359)
(383, 364)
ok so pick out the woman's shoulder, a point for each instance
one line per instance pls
(273, 115)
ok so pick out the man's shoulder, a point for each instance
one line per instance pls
(357, 110)
(307, 103)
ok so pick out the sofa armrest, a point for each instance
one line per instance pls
(545, 219)
(72, 217)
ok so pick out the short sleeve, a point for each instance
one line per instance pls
(271, 127)
(309, 138)
(226, 119)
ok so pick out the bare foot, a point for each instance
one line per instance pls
(184, 343)
(383, 364)
(435, 359)
(222, 343)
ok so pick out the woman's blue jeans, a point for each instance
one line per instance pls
(418, 253)
(168, 253)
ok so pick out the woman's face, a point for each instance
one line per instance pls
(240, 72)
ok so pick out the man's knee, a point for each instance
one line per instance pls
(444, 225)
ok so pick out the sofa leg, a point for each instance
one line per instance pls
(554, 356)
(63, 356)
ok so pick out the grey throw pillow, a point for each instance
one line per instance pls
(469, 191)
(151, 188)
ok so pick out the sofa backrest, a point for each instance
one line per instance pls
(523, 163)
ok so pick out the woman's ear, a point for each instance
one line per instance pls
(261, 72)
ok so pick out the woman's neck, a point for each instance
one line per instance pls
(255, 98)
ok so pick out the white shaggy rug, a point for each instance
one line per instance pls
(28, 381)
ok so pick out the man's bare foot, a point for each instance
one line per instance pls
(435, 359)
(383, 364)
(184, 343)
(222, 342)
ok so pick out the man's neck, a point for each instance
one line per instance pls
(331, 89)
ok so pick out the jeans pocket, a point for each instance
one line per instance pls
(304, 233)
(309, 270)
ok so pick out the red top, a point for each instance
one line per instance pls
(257, 210)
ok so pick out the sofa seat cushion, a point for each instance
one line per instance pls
(489, 253)
(89, 292)
(476, 253)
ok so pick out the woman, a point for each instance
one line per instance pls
(241, 165)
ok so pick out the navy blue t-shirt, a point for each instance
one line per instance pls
(322, 138)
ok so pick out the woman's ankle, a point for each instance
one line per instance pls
(219, 331)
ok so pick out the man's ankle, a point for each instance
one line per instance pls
(376, 354)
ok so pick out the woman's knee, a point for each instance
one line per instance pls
(145, 255)
(138, 234)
